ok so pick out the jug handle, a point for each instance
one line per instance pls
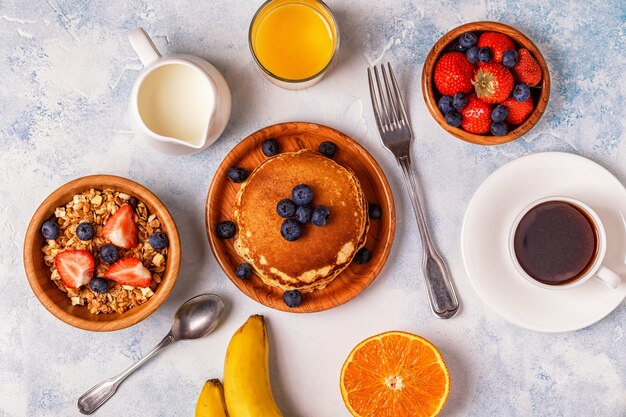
(144, 47)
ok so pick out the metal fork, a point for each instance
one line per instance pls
(396, 134)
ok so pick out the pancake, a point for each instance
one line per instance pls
(322, 252)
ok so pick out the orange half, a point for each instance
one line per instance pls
(395, 374)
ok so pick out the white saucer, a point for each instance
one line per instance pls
(486, 228)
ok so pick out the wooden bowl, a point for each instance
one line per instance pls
(293, 137)
(53, 299)
(445, 44)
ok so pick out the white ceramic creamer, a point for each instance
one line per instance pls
(180, 104)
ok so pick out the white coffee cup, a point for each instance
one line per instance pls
(179, 104)
(595, 270)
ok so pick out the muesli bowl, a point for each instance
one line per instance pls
(95, 199)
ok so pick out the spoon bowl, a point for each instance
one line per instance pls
(197, 317)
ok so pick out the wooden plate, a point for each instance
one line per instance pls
(446, 42)
(294, 136)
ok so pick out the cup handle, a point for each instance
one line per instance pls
(608, 277)
(143, 46)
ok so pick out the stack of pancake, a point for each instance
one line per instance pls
(322, 252)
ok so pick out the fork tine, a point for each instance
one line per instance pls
(394, 113)
(374, 100)
(385, 120)
(399, 96)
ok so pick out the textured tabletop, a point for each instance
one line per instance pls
(66, 74)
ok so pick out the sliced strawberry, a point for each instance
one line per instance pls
(121, 229)
(499, 43)
(75, 267)
(518, 111)
(527, 69)
(453, 74)
(129, 271)
(493, 83)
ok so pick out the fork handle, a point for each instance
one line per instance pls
(443, 299)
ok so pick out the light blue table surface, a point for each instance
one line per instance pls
(66, 71)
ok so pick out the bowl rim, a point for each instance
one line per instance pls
(440, 46)
(129, 317)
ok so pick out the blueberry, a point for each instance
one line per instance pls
(498, 128)
(99, 285)
(327, 149)
(521, 92)
(226, 229)
(85, 231)
(467, 40)
(270, 147)
(292, 298)
(320, 216)
(286, 208)
(374, 211)
(237, 174)
(445, 104)
(499, 113)
(158, 240)
(291, 230)
(472, 55)
(302, 194)
(484, 54)
(362, 256)
(459, 48)
(50, 229)
(459, 101)
(133, 202)
(243, 271)
(303, 214)
(109, 253)
(509, 59)
(453, 118)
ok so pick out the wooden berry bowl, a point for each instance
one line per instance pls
(292, 137)
(56, 301)
(446, 42)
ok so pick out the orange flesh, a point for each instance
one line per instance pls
(395, 375)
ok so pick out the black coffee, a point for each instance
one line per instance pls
(555, 243)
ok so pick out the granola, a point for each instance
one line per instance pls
(95, 207)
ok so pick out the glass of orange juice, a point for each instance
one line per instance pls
(293, 41)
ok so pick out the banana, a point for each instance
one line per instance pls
(211, 400)
(247, 387)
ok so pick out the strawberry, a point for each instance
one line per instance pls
(121, 229)
(493, 83)
(527, 69)
(476, 115)
(518, 111)
(75, 267)
(497, 42)
(129, 271)
(453, 74)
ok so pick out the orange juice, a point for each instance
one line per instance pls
(294, 40)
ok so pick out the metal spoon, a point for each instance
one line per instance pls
(196, 318)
